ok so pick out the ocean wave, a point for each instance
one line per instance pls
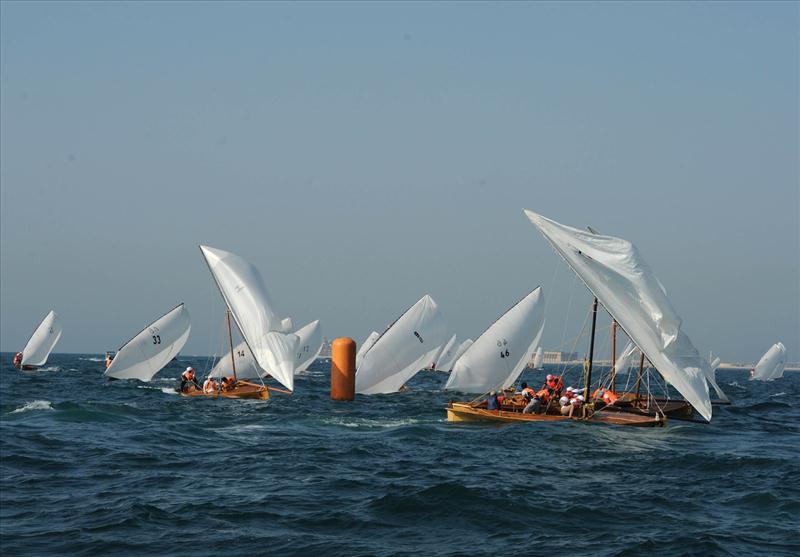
(35, 405)
(93, 359)
(370, 422)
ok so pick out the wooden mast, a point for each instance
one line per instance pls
(230, 341)
(639, 377)
(613, 355)
(591, 349)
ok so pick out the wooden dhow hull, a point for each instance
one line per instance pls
(465, 412)
(243, 389)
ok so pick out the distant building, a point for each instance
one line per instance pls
(560, 357)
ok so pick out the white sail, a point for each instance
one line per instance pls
(623, 363)
(614, 271)
(403, 349)
(154, 347)
(42, 341)
(460, 351)
(245, 294)
(538, 358)
(308, 346)
(771, 364)
(246, 366)
(496, 359)
(712, 379)
(445, 360)
(365, 346)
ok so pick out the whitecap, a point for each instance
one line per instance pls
(777, 394)
(35, 405)
(368, 422)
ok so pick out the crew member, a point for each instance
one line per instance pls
(188, 380)
(109, 359)
(210, 385)
(17, 360)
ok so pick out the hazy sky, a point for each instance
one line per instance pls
(362, 155)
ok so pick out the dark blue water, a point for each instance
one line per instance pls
(97, 468)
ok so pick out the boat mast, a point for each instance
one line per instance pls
(230, 341)
(639, 378)
(591, 348)
(613, 355)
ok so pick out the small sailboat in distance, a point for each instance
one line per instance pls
(268, 337)
(448, 355)
(40, 344)
(538, 358)
(152, 348)
(408, 345)
(771, 364)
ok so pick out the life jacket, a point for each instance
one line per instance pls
(529, 392)
(609, 397)
(544, 395)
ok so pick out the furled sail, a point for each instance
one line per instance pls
(365, 346)
(712, 379)
(245, 294)
(496, 359)
(403, 349)
(154, 347)
(42, 341)
(771, 364)
(538, 358)
(308, 346)
(445, 360)
(614, 271)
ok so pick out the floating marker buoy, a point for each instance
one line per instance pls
(343, 369)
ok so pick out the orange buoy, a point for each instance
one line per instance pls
(343, 369)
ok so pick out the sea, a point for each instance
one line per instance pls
(92, 467)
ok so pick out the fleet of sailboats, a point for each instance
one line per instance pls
(611, 268)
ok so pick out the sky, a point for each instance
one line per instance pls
(362, 155)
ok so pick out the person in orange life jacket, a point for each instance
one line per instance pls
(228, 383)
(554, 385)
(210, 385)
(605, 395)
(188, 380)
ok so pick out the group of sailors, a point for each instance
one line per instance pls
(551, 397)
(210, 385)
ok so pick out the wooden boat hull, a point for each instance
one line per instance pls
(244, 389)
(676, 409)
(460, 412)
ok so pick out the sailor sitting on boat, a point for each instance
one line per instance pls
(210, 385)
(188, 380)
(228, 383)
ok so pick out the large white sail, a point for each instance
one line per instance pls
(245, 294)
(712, 379)
(445, 360)
(538, 358)
(403, 349)
(365, 346)
(496, 359)
(42, 341)
(154, 347)
(771, 364)
(308, 346)
(614, 271)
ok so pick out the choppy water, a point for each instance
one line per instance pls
(97, 468)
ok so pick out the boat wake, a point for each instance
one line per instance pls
(35, 405)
